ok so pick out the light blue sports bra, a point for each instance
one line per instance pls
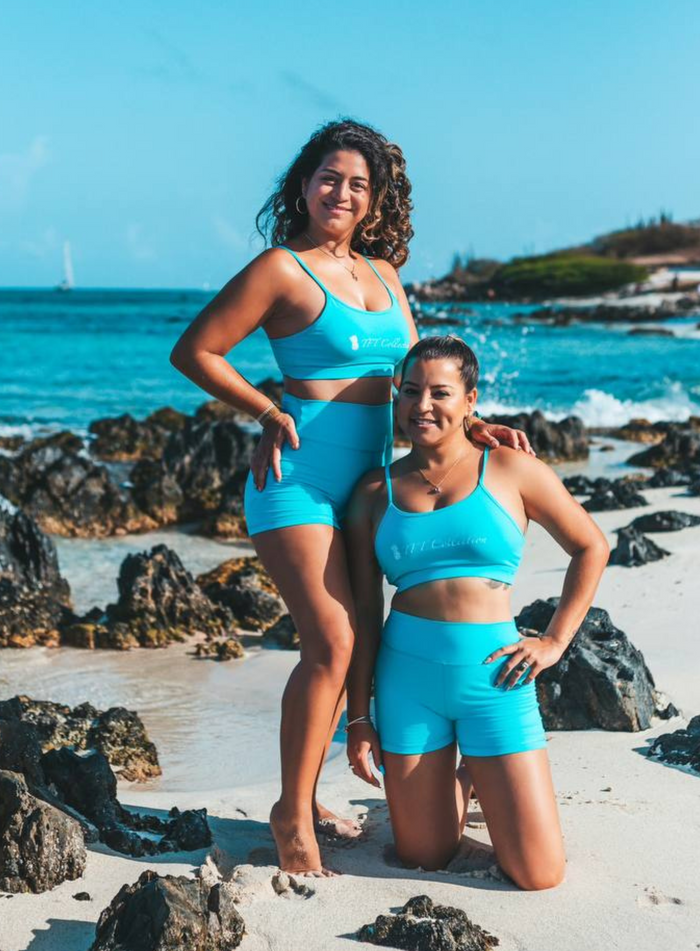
(473, 538)
(344, 342)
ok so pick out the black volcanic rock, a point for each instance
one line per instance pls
(40, 847)
(283, 633)
(198, 472)
(117, 732)
(601, 680)
(562, 440)
(679, 449)
(57, 483)
(634, 549)
(620, 495)
(667, 478)
(664, 522)
(680, 748)
(244, 587)
(582, 485)
(33, 596)
(159, 602)
(123, 438)
(169, 913)
(424, 926)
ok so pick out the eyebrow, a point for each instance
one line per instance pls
(433, 386)
(335, 172)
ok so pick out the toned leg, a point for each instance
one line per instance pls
(425, 815)
(517, 799)
(307, 563)
(325, 821)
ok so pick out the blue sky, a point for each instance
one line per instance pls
(149, 134)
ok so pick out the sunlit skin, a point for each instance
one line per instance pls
(306, 562)
(427, 806)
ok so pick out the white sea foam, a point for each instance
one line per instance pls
(598, 408)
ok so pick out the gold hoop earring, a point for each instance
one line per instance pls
(296, 205)
(467, 423)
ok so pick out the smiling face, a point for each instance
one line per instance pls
(338, 194)
(432, 401)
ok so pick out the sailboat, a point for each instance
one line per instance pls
(68, 282)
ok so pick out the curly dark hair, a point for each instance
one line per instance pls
(446, 347)
(386, 229)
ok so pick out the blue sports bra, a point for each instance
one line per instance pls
(344, 341)
(473, 538)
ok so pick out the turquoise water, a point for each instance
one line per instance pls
(66, 359)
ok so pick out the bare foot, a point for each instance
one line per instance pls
(297, 848)
(327, 823)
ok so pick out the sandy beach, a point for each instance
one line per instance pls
(630, 823)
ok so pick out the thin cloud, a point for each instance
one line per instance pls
(46, 244)
(137, 244)
(228, 234)
(18, 169)
(314, 94)
(176, 65)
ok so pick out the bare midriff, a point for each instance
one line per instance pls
(474, 600)
(372, 391)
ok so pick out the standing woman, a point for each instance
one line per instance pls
(338, 323)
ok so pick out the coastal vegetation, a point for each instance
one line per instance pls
(609, 262)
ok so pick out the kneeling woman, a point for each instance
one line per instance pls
(445, 525)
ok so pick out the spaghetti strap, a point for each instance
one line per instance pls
(390, 494)
(306, 268)
(484, 460)
(391, 293)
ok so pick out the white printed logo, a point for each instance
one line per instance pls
(396, 552)
(354, 342)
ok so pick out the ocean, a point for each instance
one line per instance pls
(69, 358)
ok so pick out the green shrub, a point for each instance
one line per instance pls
(563, 275)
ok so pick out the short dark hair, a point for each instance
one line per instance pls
(446, 347)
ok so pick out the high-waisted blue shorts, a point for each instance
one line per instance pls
(338, 442)
(432, 688)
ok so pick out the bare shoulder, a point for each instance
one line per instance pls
(388, 272)
(520, 465)
(273, 264)
(368, 494)
(371, 484)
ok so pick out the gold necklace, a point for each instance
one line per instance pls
(351, 271)
(435, 486)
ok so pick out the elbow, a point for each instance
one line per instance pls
(601, 549)
(176, 357)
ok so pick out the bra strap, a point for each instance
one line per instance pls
(391, 293)
(484, 460)
(390, 494)
(306, 267)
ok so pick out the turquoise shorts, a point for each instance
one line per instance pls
(338, 442)
(432, 688)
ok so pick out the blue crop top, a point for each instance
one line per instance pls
(473, 538)
(344, 342)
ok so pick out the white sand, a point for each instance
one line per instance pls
(632, 825)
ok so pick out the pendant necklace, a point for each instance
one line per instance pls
(435, 486)
(351, 271)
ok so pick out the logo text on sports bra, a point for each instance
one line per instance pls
(386, 343)
(436, 544)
